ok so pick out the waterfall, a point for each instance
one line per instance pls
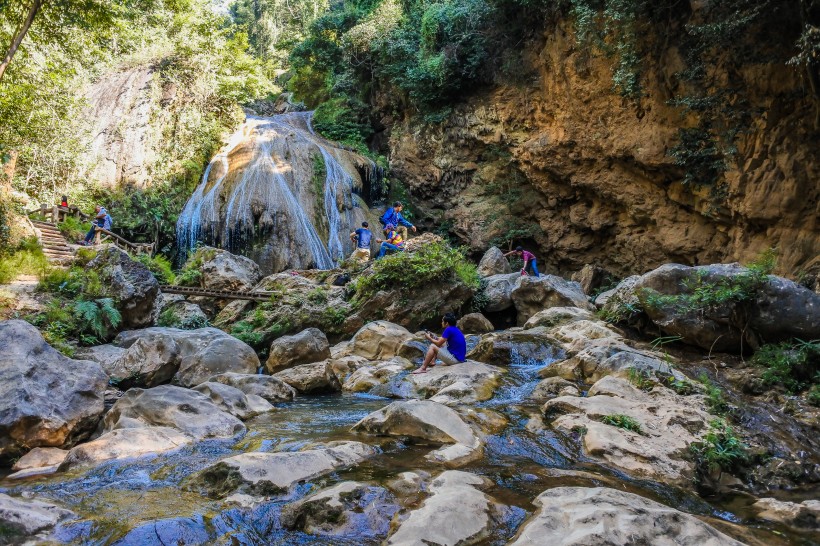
(257, 196)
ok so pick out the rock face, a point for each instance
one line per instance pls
(314, 378)
(125, 443)
(573, 516)
(150, 361)
(270, 388)
(498, 290)
(189, 411)
(222, 270)
(805, 514)
(307, 346)
(456, 512)
(493, 263)
(591, 277)
(46, 399)
(132, 286)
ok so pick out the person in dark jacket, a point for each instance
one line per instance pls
(392, 216)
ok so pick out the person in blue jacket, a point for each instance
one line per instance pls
(393, 216)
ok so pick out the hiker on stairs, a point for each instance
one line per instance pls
(101, 219)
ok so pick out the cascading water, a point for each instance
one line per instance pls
(260, 196)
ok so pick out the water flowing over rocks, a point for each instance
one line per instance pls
(501, 348)
(130, 284)
(573, 516)
(307, 346)
(186, 410)
(46, 399)
(270, 388)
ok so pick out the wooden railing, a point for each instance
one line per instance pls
(102, 235)
(57, 213)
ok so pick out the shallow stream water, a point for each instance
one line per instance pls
(145, 501)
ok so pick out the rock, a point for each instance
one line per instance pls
(270, 388)
(516, 347)
(577, 335)
(575, 516)
(167, 406)
(104, 355)
(420, 420)
(493, 263)
(233, 400)
(531, 295)
(202, 353)
(273, 473)
(498, 291)
(346, 509)
(222, 270)
(182, 314)
(622, 295)
(38, 461)
(553, 387)
(344, 366)
(129, 283)
(591, 277)
(379, 340)
(313, 378)
(125, 443)
(307, 346)
(558, 316)
(148, 362)
(408, 484)
(669, 423)
(46, 399)
(231, 313)
(805, 514)
(455, 513)
(475, 323)
(367, 377)
(464, 383)
(22, 519)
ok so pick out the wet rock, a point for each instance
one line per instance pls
(498, 291)
(268, 387)
(233, 400)
(125, 443)
(379, 340)
(222, 270)
(167, 406)
(558, 316)
(313, 378)
(46, 399)
(38, 461)
(493, 263)
(805, 514)
(346, 509)
(463, 383)
(668, 423)
(182, 314)
(408, 484)
(531, 295)
(307, 346)
(515, 347)
(344, 366)
(274, 473)
(130, 284)
(553, 387)
(456, 512)
(591, 277)
(22, 519)
(574, 516)
(419, 420)
(367, 377)
(475, 323)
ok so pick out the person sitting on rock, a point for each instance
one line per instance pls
(393, 241)
(101, 219)
(64, 201)
(529, 258)
(392, 216)
(362, 238)
(453, 353)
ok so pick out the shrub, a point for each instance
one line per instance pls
(719, 451)
(622, 421)
(715, 400)
(169, 317)
(813, 396)
(794, 365)
(641, 379)
(28, 259)
(70, 283)
(98, 317)
(160, 266)
(191, 273)
(73, 229)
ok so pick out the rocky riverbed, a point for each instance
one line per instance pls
(563, 429)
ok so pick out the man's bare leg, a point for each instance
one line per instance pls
(429, 358)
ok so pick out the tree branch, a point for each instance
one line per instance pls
(19, 34)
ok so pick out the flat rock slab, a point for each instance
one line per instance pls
(270, 388)
(24, 518)
(274, 473)
(585, 516)
(125, 444)
(421, 420)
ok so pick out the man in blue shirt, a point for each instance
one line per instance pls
(393, 216)
(453, 353)
(362, 238)
(101, 219)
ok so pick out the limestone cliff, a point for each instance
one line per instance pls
(592, 171)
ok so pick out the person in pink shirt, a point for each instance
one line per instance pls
(529, 258)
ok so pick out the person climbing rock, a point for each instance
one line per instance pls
(453, 353)
(529, 258)
(362, 238)
(101, 219)
(393, 242)
(392, 216)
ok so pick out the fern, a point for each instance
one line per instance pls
(98, 316)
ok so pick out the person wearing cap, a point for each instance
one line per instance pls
(361, 237)
(392, 241)
(392, 216)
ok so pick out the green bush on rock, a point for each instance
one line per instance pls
(719, 451)
(794, 365)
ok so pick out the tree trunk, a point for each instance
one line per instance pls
(19, 34)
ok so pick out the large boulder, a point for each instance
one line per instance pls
(307, 346)
(124, 444)
(150, 361)
(493, 263)
(464, 383)
(379, 340)
(222, 270)
(533, 294)
(316, 378)
(610, 356)
(455, 513)
(132, 286)
(182, 314)
(168, 406)
(268, 387)
(591, 278)
(498, 290)
(516, 347)
(805, 514)
(233, 400)
(558, 316)
(200, 354)
(582, 516)
(475, 323)
(369, 376)
(21, 520)
(46, 398)
(274, 473)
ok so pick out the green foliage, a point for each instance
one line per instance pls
(318, 296)
(794, 365)
(99, 317)
(73, 229)
(620, 312)
(406, 271)
(169, 317)
(28, 259)
(74, 282)
(701, 156)
(622, 421)
(813, 395)
(191, 272)
(344, 119)
(159, 265)
(680, 386)
(641, 379)
(715, 400)
(719, 451)
(335, 316)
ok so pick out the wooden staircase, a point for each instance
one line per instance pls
(54, 244)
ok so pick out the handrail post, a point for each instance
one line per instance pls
(43, 209)
(55, 214)
(97, 235)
